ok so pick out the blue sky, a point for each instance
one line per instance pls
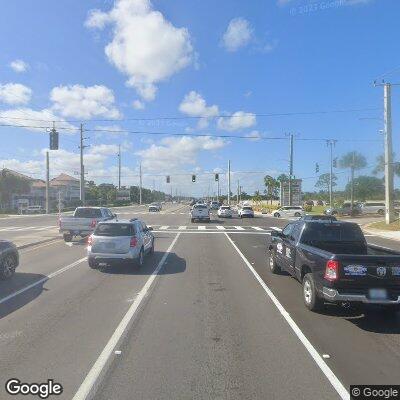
(135, 59)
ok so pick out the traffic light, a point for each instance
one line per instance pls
(316, 167)
(334, 163)
(216, 177)
(168, 179)
(53, 140)
(193, 178)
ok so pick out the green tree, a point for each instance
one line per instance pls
(282, 178)
(380, 165)
(324, 180)
(368, 188)
(271, 185)
(11, 184)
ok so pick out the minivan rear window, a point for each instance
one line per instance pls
(114, 230)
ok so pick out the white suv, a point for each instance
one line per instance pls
(289, 211)
(200, 212)
(373, 208)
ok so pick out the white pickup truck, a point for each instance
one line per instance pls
(83, 221)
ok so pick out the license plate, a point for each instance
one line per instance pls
(110, 246)
(377, 294)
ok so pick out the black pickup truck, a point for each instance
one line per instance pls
(335, 264)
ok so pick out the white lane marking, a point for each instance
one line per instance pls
(164, 227)
(220, 227)
(206, 231)
(276, 228)
(182, 228)
(46, 278)
(201, 228)
(257, 228)
(338, 386)
(91, 382)
(239, 228)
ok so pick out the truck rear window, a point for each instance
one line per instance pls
(88, 213)
(114, 230)
(330, 232)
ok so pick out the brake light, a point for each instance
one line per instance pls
(332, 270)
(90, 240)
(93, 223)
(133, 241)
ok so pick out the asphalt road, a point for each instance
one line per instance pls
(211, 323)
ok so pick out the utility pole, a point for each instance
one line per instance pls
(229, 182)
(237, 195)
(82, 180)
(290, 167)
(387, 134)
(218, 189)
(331, 143)
(119, 167)
(352, 182)
(47, 183)
(140, 183)
(240, 194)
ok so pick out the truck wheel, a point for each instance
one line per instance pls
(277, 215)
(67, 237)
(310, 295)
(7, 267)
(92, 262)
(273, 266)
(297, 214)
(381, 212)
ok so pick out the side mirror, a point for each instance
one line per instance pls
(276, 233)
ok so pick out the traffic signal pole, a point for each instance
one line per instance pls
(229, 182)
(47, 183)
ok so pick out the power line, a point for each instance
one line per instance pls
(260, 115)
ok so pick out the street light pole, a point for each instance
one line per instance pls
(290, 167)
(331, 143)
(229, 182)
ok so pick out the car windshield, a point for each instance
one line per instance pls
(113, 229)
(88, 213)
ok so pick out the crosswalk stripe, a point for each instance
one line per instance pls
(239, 228)
(257, 228)
(220, 227)
(276, 228)
(201, 228)
(164, 227)
(182, 228)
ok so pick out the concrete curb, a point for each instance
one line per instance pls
(24, 246)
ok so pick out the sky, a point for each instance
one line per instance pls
(231, 73)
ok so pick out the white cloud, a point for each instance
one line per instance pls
(194, 105)
(78, 101)
(35, 120)
(145, 46)
(238, 34)
(254, 136)
(238, 120)
(15, 93)
(19, 65)
(31, 167)
(174, 153)
(138, 105)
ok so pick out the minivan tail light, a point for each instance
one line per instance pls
(90, 240)
(93, 223)
(133, 241)
(332, 270)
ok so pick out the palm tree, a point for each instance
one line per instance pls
(380, 166)
(271, 184)
(353, 161)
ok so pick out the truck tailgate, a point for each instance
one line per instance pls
(75, 224)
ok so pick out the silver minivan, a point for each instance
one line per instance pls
(115, 242)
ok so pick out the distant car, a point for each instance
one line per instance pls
(320, 203)
(154, 207)
(113, 242)
(344, 210)
(316, 217)
(246, 212)
(200, 212)
(9, 259)
(225, 212)
(33, 210)
(214, 205)
(288, 211)
(309, 203)
(370, 207)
